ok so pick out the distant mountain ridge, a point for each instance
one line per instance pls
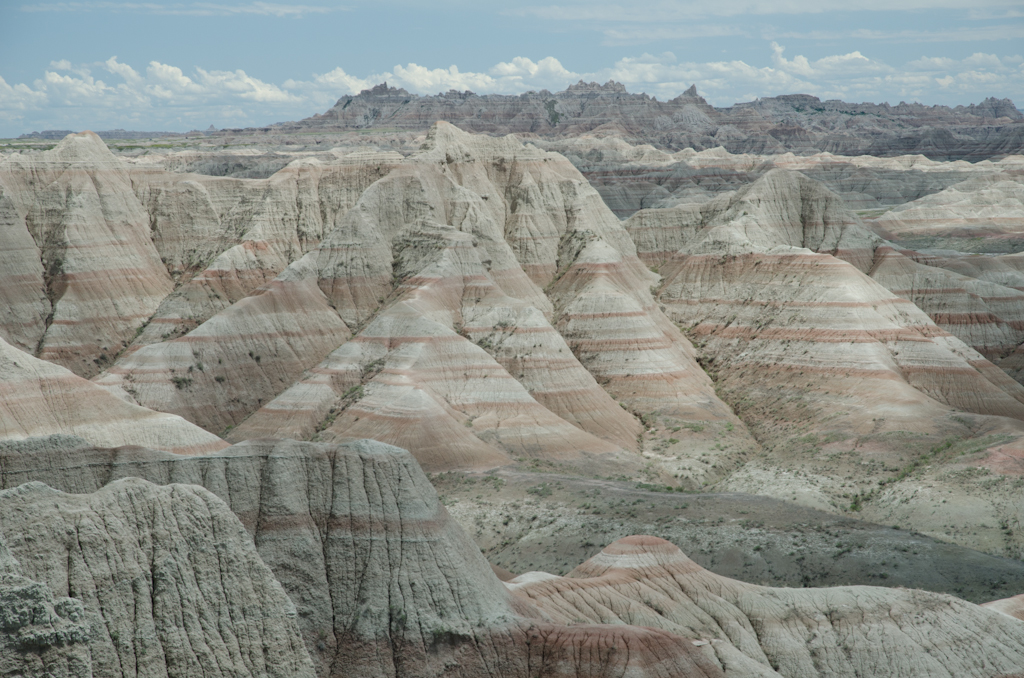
(799, 123)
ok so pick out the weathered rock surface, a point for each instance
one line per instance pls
(96, 275)
(383, 581)
(825, 365)
(386, 584)
(631, 178)
(451, 249)
(1013, 607)
(988, 205)
(796, 122)
(40, 635)
(40, 398)
(753, 630)
(166, 581)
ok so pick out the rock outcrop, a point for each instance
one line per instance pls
(985, 206)
(759, 631)
(439, 270)
(39, 398)
(384, 583)
(40, 635)
(163, 581)
(89, 274)
(796, 122)
(820, 360)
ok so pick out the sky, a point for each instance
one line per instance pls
(176, 66)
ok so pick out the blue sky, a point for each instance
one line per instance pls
(154, 65)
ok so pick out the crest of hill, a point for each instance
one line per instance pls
(799, 123)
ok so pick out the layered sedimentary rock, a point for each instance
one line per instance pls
(797, 122)
(989, 206)
(96, 275)
(95, 244)
(40, 398)
(224, 238)
(384, 583)
(165, 581)
(759, 631)
(631, 178)
(449, 250)
(987, 316)
(220, 372)
(835, 375)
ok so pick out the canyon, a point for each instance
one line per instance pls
(404, 404)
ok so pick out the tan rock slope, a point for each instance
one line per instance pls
(990, 205)
(383, 581)
(165, 580)
(848, 386)
(759, 631)
(96, 275)
(94, 246)
(40, 398)
(457, 353)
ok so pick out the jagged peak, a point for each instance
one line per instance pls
(384, 89)
(610, 86)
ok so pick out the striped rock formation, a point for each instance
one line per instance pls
(988, 205)
(760, 631)
(99, 252)
(165, 581)
(223, 238)
(848, 386)
(40, 398)
(457, 352)
(985, 315)
(384, 583)
(88, 273)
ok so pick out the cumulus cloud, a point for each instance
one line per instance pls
(163, 96)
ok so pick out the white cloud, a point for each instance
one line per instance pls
(164, 96)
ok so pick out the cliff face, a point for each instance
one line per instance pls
(383, 583)
(163, 581)
(798, 123)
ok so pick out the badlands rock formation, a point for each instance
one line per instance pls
(384, 583)
(102, 254)
(989, 206)
(438, 273)
(40, 635)
(771, 125)
(631, 177)
(162, 581)
(40, 398)
(758, 631)
(477, 303)
(845, 384)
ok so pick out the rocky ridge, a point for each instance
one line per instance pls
(162, 581)
(384, 583)
(798, 123)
